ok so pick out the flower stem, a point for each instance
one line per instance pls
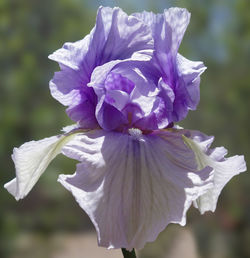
(127, 254)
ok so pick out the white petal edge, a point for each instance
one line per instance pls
(133, 187)
(224, 168)
(31, 160)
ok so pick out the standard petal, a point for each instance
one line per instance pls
(66, 85)
(149, 18)
(31, 159)
(69, 88)
(109, 117)
(143, 94)
(132, 186)
(179, 73)
(224, 168)
(82, 110)
(72, 55)
(126, 34)
(115, 36)
(169, 30)
(189, 80)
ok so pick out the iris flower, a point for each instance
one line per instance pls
(126, 86)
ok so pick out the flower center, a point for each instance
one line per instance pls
(135, 133)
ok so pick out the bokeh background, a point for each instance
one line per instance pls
(48, 222)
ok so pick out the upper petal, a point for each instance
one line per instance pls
(181, 74)
(72, 55)
(169, 30)
(31, 159)
(115, 36)
(133, 185)
(224, 168)
(127, 35)
(188, 87)
(149, 18)
(67, 85)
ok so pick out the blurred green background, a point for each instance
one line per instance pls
(48, 220)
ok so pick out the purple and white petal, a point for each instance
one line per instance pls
(224, 168)
(132, 185)
(31, 160)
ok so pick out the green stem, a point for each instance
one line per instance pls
(127, 254)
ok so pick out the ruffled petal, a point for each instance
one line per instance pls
(82, 110)
(109, 117)
(179, 73)
(189, 80)
(132, 186)
(66, 85)
(115, 36)
(149, 18)
(72, 55)
(169, 30)
(112, 104)
(224, 168)
(31, 159)
(126, 35)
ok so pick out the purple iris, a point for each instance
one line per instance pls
(128, 73)
(125, 86)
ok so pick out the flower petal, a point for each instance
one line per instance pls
(31, 159)
(71, 55)
(125, 35)
(115, 36)
(189, 80)
(82, 110)
(69, 88)
(66, 85)
(169, 31)
(224, 168)
(132, 186)
(179, 73)
(108, 116)
(149, 18)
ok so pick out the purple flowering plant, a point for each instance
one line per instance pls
(126, 86)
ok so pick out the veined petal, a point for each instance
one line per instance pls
(189, 80)
(126, 35)
(224, 168)
(72, 54)
(167, 28)
(31, 159)
(67, 85)
(115, 36)
(133, 185)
